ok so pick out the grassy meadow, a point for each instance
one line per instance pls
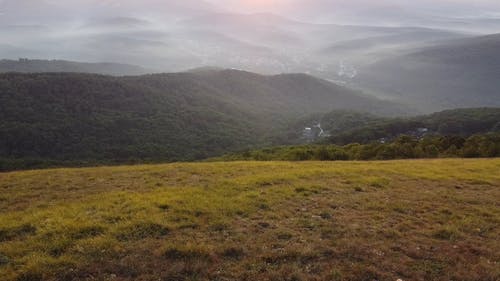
(408, 220)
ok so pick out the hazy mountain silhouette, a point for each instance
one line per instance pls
(458, 73)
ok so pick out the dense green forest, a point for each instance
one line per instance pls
(403, 147)
(460, 122)
(64, 119)
(69, 118)
(345, 127)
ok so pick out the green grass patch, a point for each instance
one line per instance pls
(253, 221)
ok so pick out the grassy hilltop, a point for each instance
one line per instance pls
(409, 220)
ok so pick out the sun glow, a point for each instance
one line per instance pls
(251, 5)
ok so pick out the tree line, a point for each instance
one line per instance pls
(403, 147)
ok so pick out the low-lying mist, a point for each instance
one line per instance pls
(335, 40)
(170, 36)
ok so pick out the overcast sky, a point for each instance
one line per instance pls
(326, 6)
(154, 32)
(310, 10)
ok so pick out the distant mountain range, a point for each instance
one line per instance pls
(261, 42)
(425, 69)
(294, 46)
(451, 73)
(46, 11)
(71, 117)
(456, 73)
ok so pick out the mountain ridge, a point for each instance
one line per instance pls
(39, 66)
(75, 117)
(457, 73)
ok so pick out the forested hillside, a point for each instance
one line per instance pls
(31, 66)
(458, 122)
(345, 127)
(75, 118)
(454, 74)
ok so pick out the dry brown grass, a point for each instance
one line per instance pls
(409, 220)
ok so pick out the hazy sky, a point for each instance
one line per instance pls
(312, 10)
(180, 33)
(327, 5)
